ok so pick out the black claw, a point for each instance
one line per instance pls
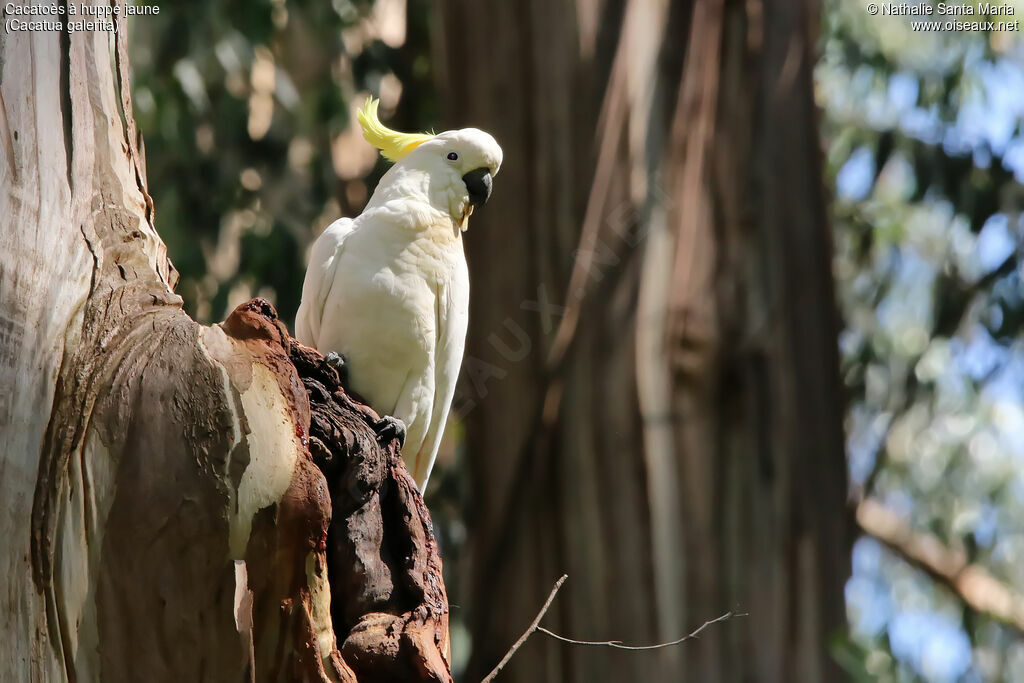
(340, 364)
(388, 428)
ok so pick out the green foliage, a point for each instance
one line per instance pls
(240, 104)
(246, 113)
(246, 109)
(924, 147)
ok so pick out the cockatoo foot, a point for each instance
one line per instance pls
(390, 427)
(340, 365)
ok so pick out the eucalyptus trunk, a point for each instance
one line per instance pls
(651, 389)
(164, 518)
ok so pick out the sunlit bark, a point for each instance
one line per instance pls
(163, 517)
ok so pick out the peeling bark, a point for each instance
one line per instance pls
(164, 518)
(670, 434)
(383, 557)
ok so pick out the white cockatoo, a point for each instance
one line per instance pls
(389, 290)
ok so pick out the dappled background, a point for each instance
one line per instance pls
(247, 112)
(926, 154)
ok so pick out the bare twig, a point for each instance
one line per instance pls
(535, 626)
(527, 633)
(618, 643)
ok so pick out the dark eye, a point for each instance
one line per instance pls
(452, 156)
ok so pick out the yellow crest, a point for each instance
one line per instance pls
(392, 144)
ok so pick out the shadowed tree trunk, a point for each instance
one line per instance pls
(660, 287)
(163, 517)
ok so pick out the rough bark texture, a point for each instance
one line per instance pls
(383, 559)
(163, 517)
(661, 287)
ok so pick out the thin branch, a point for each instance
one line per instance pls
(528, 632)
(617, 644)
(972, 583)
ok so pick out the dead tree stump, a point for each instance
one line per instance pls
(389, 605)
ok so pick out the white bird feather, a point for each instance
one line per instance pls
(390, 289)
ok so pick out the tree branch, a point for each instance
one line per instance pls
(528, 632)
(617, 644)
(972, 583)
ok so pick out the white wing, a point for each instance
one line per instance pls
(452, 320)
(319, 276)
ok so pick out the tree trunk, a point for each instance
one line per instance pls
(661, 288)
(163, 516)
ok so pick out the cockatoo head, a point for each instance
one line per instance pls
(459, 164)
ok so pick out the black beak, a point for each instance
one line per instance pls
(478, 184)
